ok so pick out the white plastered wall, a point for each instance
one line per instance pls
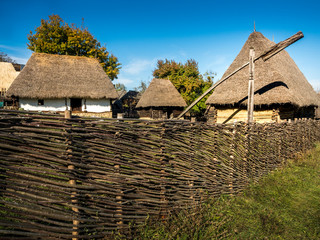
(92, 105)
(97, 105)
(49, 104)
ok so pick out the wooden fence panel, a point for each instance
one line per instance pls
(85, 178)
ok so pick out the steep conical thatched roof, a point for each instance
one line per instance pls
(7, 74)
(277, 81)
(61, 76)
(161, 93)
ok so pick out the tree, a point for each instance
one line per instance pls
(187, 80)
(55, 36)
(120, 87)
(5, 58)
(143, 87)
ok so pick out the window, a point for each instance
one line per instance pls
(40, 102)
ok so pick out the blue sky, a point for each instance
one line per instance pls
(141, 32)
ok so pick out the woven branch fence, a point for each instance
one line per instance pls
(85, 178)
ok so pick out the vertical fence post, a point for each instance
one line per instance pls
(74, 209)
(250, 164)
(164, 207)
(119, 198)
(72, 182)
(191, 159)
(118, 201)
(67, 114)
(232, 159)
(214, 150)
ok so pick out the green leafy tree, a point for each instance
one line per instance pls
(57, 37)
(120, 87)
(187, 79)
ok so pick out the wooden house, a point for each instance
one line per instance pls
(161, 100)
(59, 82)
(281, 91)
(126, 104)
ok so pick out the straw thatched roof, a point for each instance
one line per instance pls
(318, 108)
(7, 74)
(276, 81)
(161, 93)
(60, 76)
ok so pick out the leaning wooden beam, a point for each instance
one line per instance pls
(273, 50)
(280, 46)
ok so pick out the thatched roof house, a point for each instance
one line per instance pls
(126, 104)
(318, 108)
(56, 82)
(7, 75)
(281, 90)
(160, 100)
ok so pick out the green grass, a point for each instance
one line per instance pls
(283, 205)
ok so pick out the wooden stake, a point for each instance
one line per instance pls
(72, 182)
(118, 214)
(74, 201)
(67, 114)
(73, 197)
(251, 86)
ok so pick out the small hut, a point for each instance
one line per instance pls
(281, 91)
(7, 75)
(161, 100)
(58, 82)
(318, 108)
(126, 104)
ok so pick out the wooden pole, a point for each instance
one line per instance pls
(119, 200)
(163, 160)
(72, 182)
(251, 86)
(85, 105)
(74, 202)
(67, 114)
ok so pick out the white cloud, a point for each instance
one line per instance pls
(125, 81)
(219, 60)
(183, 53)
(10, 48)
(20, 60)
(315, 84)
(138, 66)
(19, 54)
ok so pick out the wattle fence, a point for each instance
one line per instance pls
(85, 178)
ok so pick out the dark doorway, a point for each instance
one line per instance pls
(76, 104)
(169, 113)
